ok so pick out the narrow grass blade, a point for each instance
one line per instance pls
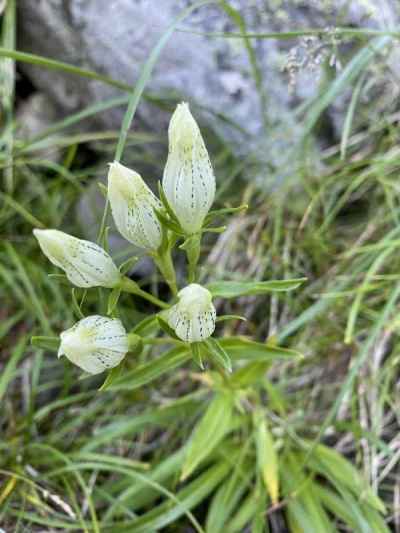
(8, 372)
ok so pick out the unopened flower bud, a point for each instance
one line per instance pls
(193, 317)
(188, 181)
(95, 343)
(85, 263)
(132, 205)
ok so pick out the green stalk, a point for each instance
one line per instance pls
(192, 249)
(127, 285)
(164, 263)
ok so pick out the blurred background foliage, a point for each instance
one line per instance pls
(293, 444)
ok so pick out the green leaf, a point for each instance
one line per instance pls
(267, 458)
(210, 430)
(151, 370)
(331, 463)
(171, 413)
(234, 289)
(114, 374)
(218, 353)
(147, 326)
(169, 511)
(259, 524)
(249, 374)
(304, 509)
(245, 512)
(242, 348)
(229, 494)
(196, 354)
(345, 507)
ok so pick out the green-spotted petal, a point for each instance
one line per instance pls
(95, 343)
(85, 263)
(132, 205)
(193, 317)
(188, 181)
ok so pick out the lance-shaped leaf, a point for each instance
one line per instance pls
(210, 430)
(242, 348)
(151, 370)
(234, 289)
(267, 458)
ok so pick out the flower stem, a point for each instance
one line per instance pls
(128, 285)
(166, 267)
(163, 340)
(192, 249)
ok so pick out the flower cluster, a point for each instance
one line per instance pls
(97, 343)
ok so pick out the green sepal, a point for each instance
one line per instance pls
(222, 318)
(127, 265)
(77, 306)
(218, 353)
(168, 223)
(216, 229)
(102, 188)
(195, 348)
(104, 239)
(135, 343)
(113, 300)
(166, 205)
(224, 211)
(62, 278)
(166, 328)
(46, 343)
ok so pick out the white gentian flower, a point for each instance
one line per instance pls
(95, 343)
(132, 205)
(188, 181)
(85, 263)
(193, 317)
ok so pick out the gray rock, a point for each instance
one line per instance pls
(34, 116)
(115, 37)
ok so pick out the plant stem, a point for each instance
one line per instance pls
(166, 267)
(192, 249)
(163, 340)
(127, 285)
